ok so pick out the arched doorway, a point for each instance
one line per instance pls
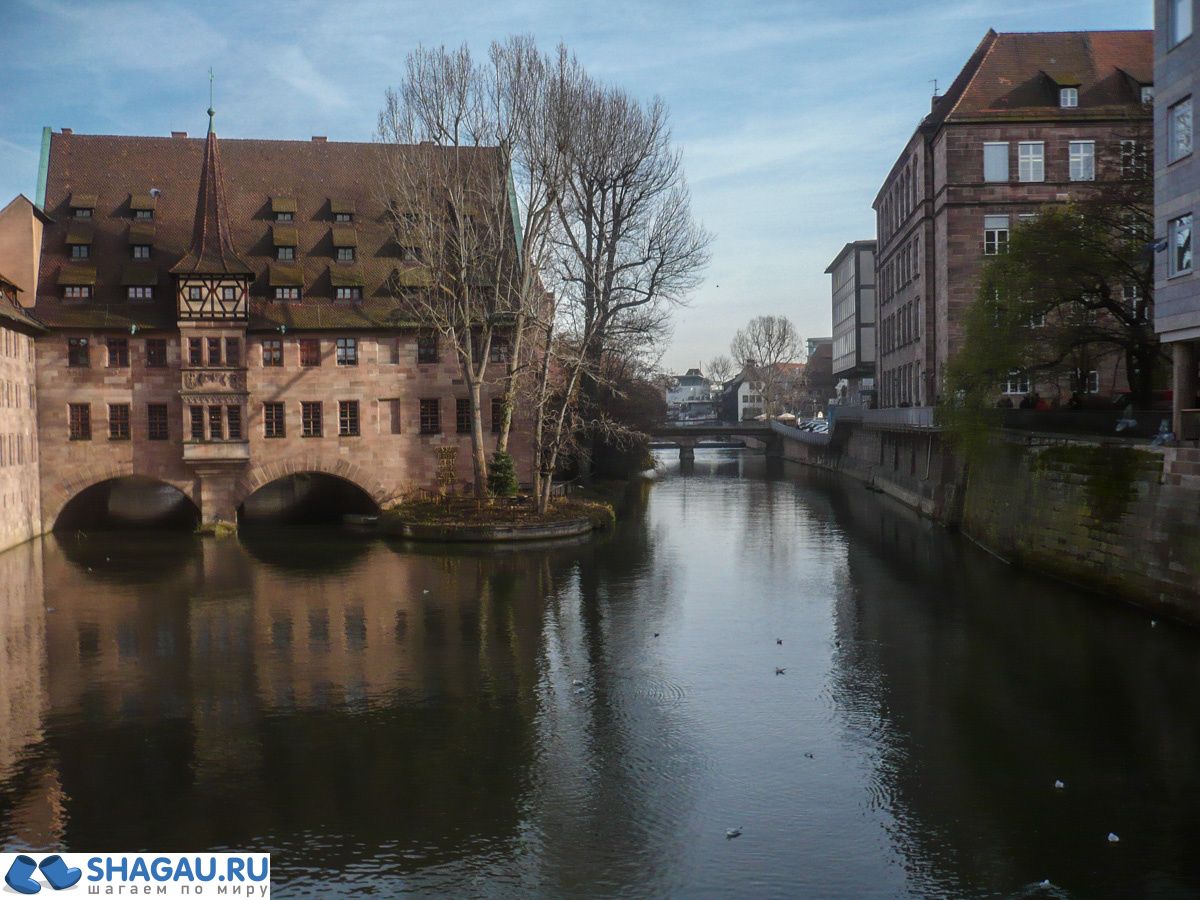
(306, 498)
(129, 502)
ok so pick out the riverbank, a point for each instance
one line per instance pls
(1118, 517)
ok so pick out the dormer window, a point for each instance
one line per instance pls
(141, 293)
(285, 239)
(141, 251)
(82, 205)
(284, 208)
(80, 251)
(77, 292)
(343, 211)
(1068, 97)
(287, 293)
(353, 292)
(142, 205)
(345, 254)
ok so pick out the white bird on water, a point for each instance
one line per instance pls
(1112, 838)
(731, 833)
(1059, 785)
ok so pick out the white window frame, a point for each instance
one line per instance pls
(1147, 94)
(1017, 383)
(1068, 97)
(1083, 160)
(1031, 161)
(1179, 246)
(1179, 130)
(995, 168)
(995, 235)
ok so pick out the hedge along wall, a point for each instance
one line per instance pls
(1103, 517)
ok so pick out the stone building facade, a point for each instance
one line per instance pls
(20, 494)
(1030, 120)
(220, 316)
(1177, 197)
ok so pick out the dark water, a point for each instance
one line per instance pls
(396, 720)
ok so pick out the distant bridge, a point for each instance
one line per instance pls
(686, 437)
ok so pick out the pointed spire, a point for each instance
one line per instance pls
(212, 251)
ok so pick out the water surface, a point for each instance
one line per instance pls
(587, 720)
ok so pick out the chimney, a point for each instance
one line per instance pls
(178, 134)
(67, 131)
(934, 102)
(319, 139)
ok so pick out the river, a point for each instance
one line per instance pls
(882, 708)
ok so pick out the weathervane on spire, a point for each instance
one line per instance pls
(210, 99)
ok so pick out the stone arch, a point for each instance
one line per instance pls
(261, 475)
(58, 493)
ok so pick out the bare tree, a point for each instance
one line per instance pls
(631, 250)
(549, 215)
(720, 369)
(763, 349)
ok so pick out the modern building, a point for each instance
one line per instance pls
(1176, 193)
(20, 493)
(689, 396)
(1030, 120)
(224, 315)
(853, 271)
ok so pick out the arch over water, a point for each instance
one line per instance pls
(122, 500)
(260, 476)
(306, 498)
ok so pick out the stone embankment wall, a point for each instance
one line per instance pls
(1123, 520)
(1120, 519)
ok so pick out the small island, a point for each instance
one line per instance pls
(427, 517)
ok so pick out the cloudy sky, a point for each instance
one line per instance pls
(790, 112)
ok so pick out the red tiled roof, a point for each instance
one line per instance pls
(1019, 75)
(318, 176)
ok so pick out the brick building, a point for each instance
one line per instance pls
(20, 495)
(224, 315)
(1029, 119)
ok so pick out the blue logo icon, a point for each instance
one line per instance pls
(60, 876)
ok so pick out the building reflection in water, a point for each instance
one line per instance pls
(216, 699)
(975, 687)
